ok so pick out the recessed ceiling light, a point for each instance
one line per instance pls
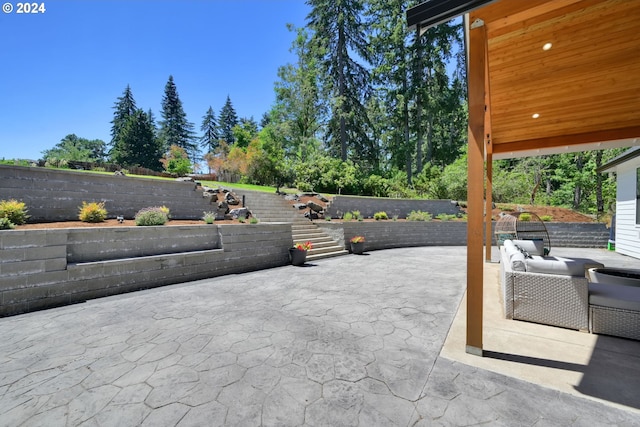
(547, 46)
(536, 115)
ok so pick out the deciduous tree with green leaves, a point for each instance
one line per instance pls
(74, 148)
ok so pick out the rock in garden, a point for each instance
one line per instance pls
(240, 213)
(185, 179)
(231, 199)
(299, 206)
(291, 197)
(314, 206)
(322, 198)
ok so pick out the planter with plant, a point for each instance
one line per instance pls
(298, 253)
(357, 244)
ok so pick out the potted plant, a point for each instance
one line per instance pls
(298, 253)
(357, 244)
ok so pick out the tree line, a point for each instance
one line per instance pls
(368, 107)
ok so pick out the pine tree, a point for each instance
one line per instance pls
(175, 129)
(209, 128)
(138, 145)
(227, 120)
(124, 108)
(339, 35)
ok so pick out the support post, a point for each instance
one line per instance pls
(476, 44)
(488, 234)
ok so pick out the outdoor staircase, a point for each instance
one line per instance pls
(269, 207)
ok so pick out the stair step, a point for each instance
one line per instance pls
(308, 236)
(322, 244)
(337, 252)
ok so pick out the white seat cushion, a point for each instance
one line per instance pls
(615, 296)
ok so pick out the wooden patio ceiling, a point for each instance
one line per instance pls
(561, 74)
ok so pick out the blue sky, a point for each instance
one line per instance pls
(62, 71)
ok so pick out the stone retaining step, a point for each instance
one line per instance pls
(269, 207)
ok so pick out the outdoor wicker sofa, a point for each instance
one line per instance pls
(548, 290)
(614, 309)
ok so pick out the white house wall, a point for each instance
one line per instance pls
(627, 232)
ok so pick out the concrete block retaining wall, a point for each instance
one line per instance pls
(46, 268)
(368, 206)
(392, 234)
(55, 195)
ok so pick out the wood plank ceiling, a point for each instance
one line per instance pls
(584, 89)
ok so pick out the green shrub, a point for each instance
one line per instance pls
(303, 186)
(445, 217)
(525, 216)
(98, 169)
(209, 217)
(241, 220)
(253, 220)
(151, 216)
(357, 215)
(380, 215)
(327, 218)
(92, 212)
(5, 224)
(348, 216)
(419, 216)
(14, 211)
(546, 218)
(395, 217)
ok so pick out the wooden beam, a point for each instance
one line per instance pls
(476, 47)
(488, 232)
(566, 140)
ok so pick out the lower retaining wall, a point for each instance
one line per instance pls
(47, 268)
(397, 234)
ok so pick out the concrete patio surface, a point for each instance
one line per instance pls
(352, 340)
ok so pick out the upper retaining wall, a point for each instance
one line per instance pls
(368, 206)
(55, 195)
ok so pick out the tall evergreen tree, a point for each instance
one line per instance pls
(299, 109)
(124, 108)
(339, 36)
(209, 139)
(175, 129)
(391, 57)
(227, 120)
(138, 145)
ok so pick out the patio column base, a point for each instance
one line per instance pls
(474, 350)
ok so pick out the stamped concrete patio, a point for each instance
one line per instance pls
(354, 340)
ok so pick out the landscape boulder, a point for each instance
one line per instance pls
(240, 213)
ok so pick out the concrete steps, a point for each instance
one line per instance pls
(268, 207)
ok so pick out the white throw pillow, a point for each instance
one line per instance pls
(533, 247)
